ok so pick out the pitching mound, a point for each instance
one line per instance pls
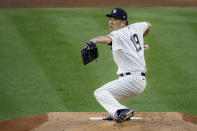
(80, 121)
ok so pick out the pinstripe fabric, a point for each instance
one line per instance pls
(124, 50)
(128, 54)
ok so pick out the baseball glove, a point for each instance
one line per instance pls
(89, 52)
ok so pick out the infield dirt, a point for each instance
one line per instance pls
(79, 121)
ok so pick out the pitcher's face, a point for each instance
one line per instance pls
(115, 23)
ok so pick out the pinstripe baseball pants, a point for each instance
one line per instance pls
(123, 88)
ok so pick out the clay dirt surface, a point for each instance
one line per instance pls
(80, 121)
(95, 3)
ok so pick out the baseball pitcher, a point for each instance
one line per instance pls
(128, 46)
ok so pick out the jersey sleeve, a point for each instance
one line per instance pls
(140, 26)
(116, 44)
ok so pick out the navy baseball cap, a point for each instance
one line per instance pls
(118, 13)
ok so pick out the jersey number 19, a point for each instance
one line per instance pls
(135, 41)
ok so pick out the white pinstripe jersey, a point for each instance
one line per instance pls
(128, 49)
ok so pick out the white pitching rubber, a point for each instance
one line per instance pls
(135, 118)
(101, 118)
(96, 118)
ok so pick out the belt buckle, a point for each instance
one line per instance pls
(124, 74)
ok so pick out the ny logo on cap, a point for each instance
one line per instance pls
(114, 11)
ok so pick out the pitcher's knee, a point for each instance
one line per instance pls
(100, 93)
(142, 89)
(97, 92)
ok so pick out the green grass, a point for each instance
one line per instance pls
(41, 68)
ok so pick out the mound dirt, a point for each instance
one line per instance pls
(80, 121)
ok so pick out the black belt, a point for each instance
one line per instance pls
(128, 73)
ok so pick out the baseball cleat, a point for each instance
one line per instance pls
(109, 118)
(123, 115)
